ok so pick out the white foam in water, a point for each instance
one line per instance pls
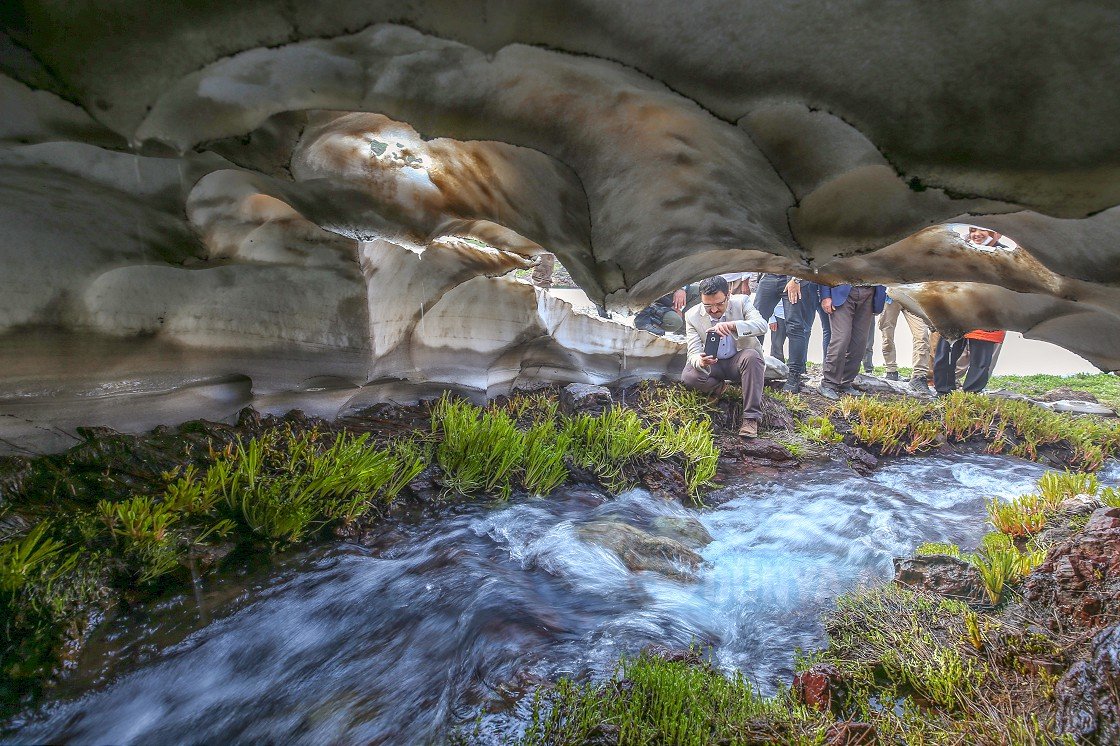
(351, 647)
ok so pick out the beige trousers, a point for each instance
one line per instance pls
(888, 320)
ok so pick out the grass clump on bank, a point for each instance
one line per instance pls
(1015, 427)
(652, 700)
(486, 450)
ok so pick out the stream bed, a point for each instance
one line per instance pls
(446, 625)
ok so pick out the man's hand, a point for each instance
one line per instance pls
(793, 290)
(679, 299)
(826, 305)
(708, 360)
(724, 328)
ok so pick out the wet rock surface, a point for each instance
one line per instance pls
(941, 575)
(1088, 695)
(821, 686)
(1080, 578)
(639, 550)
(685, 529)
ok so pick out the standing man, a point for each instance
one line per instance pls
(739, 356)
(850, 309)
(981, 346)
(919, 330)
(773, 289)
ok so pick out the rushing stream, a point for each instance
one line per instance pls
(448, 623)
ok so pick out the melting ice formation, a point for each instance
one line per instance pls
(274, 198)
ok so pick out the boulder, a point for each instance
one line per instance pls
(639, 550)
(583, 398)
(685, 529)
(1087, 699)
(942, 575)
(1080, 578)
(1076, 406)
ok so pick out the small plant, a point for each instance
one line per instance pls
(21, 558)
(1110, 496)
(479, 450)
(1055, 486)
(795, 403)
(545, 449)
(932, 548)
(998, 568)
(818, 430)
(1023, 516)
(607, 443)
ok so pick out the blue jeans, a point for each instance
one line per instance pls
(812, 291)
(799, 317)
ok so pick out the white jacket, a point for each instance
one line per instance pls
(749, 326)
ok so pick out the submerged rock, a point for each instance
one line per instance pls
(639, 550)
(943, 575)
(684, 529)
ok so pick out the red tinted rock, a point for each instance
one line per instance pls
(1080, 578)
(820, 686)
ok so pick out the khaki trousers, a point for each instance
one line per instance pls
(920, 358)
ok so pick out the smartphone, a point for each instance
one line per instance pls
(711, 343)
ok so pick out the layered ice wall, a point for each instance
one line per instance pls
(278, 202)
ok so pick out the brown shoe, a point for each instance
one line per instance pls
(717, 392)
(749, 429)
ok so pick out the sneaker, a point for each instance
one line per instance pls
(851, 391)
(892, 375)
(749, 429)
(829, 393)
(919, 386)
(792, 385)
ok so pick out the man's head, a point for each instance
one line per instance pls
(714, 294)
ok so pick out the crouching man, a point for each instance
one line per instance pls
(739, 356)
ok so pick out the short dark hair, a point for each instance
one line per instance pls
(714, 285)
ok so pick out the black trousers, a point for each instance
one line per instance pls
(980, 354)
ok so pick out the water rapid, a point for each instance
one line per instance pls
(446, 625)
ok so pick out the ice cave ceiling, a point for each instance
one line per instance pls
(287, 196)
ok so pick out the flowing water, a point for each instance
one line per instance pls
(446, 624)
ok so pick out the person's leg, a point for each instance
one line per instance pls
(862, 318)
(542, 273)
(980, 355)
(836, 357)
(797, 332)
(648, 320)
(778, 340)
(995, 357)
(888, 320)
(750, 370)
(919, 330)
(699, 380)
(869, 352)
(945, 363)
(769, 294)
(671, 321)
(962, 364)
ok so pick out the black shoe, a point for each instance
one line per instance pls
(829, 393)
(892, 375)
(919, 386)
(850, 391)
(793, 385)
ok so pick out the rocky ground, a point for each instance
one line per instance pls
(1072, 597)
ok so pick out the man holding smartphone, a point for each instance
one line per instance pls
(734, 354)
